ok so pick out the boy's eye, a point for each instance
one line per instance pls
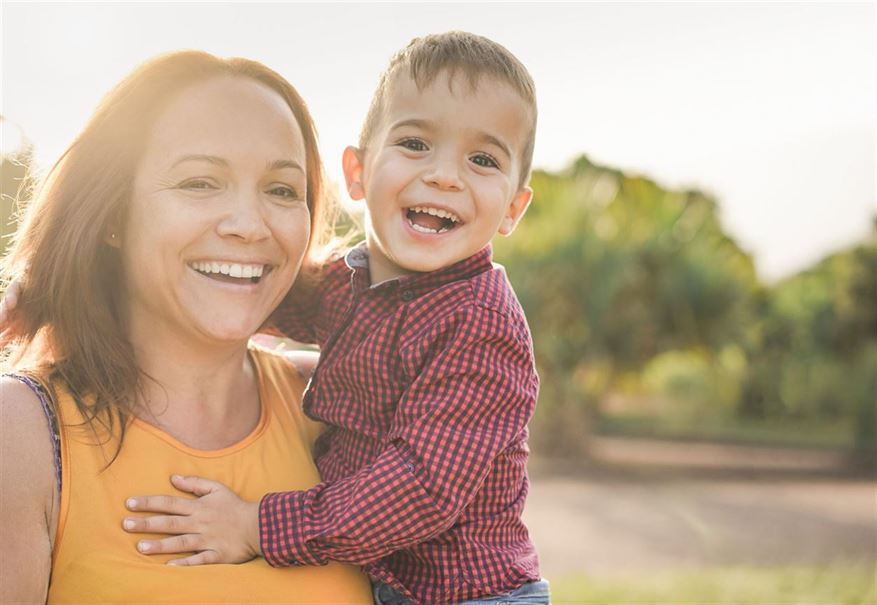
(413, 144)
(485, 161)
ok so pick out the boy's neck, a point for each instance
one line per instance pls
(381, 268)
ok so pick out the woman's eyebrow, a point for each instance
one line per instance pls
(212, 159)
(281, 164)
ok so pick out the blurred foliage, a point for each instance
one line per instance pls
(640, 303)
(14, 183)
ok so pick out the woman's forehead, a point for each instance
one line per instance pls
(236, 114)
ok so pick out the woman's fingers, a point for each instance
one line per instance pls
(174, 544)
(160, 504)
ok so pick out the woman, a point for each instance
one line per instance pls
(159, 243)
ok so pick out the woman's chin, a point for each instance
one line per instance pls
(230, 332)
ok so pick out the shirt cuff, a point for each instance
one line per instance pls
(280, 530)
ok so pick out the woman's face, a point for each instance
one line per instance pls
(218, 221)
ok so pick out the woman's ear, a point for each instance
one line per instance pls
(113, 235)
(352, 162)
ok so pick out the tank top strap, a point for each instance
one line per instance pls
(46, 402)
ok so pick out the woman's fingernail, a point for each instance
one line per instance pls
(128, 523)
(131, 503)
(143, 546)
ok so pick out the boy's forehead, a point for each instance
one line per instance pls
(484, 97)
(456, 84)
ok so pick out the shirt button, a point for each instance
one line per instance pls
(407, 295)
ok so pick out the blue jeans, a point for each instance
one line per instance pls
(531, 593)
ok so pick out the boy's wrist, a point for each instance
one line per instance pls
(254, 534)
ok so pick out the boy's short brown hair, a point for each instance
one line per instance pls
(474, 56)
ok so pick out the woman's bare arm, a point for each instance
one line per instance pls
(28, 495)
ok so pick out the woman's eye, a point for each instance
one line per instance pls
(197, 185)
(413, 145)
(284, 192)
(485, 161)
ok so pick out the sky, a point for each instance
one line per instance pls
(768, 106)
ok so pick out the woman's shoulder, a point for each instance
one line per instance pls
(23, 407)
(279, 376)
(283, 375)
(26, 437)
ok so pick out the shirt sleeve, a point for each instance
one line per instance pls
(298, 314)
(474, 392)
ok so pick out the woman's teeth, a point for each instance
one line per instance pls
(238, 270)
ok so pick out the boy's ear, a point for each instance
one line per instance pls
(352, 162)
(516, 210)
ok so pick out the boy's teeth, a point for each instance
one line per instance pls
(417, 227)
(437, 212)
(422, 229)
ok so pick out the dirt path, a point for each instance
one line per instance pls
(634, 520)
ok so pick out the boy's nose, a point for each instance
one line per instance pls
(445, 175)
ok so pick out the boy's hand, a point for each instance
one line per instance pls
(218, 525)
(8, 331)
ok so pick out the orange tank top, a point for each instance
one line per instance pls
(95, 561)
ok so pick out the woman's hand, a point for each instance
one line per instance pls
(218, 526)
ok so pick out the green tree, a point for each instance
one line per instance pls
(612, 270)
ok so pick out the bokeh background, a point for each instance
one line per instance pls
(699, 267)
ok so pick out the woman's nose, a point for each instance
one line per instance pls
(244, 218)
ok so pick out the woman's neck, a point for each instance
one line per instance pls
(206, 396)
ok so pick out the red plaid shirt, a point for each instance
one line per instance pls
(426, 383)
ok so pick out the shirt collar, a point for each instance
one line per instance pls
(411, 286)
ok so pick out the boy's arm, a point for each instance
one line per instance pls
(297, 315)
(471, 400)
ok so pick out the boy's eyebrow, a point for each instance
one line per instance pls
(484, 136)
(489, 138)
(415, 122)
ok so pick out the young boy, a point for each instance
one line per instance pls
(426, 378)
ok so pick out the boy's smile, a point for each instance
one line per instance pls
(441, 174)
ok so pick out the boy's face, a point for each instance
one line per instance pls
(440, 175)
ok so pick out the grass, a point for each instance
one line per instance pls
(835, 585)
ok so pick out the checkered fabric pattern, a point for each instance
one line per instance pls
(426, 383)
